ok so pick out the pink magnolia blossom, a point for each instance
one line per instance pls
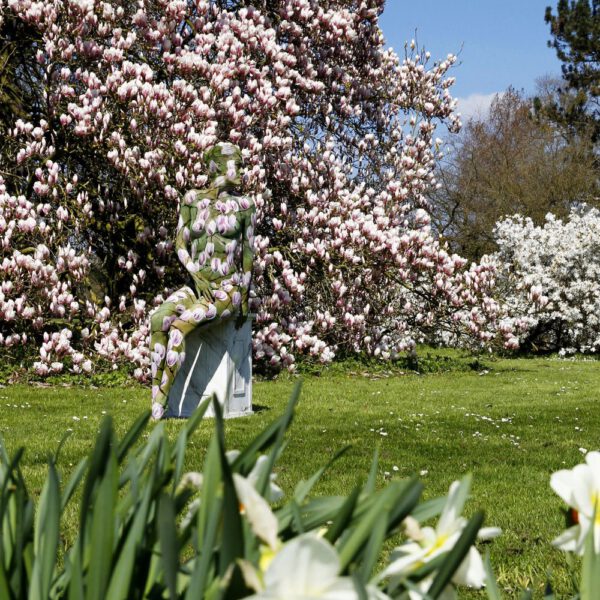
(337, 167)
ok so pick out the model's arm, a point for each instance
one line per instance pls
(247, 254)
(182, 240)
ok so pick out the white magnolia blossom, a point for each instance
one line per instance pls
(307, 567)
(550, 276)
(580, 489)
(427, 544)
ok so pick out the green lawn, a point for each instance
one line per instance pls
(511, 427)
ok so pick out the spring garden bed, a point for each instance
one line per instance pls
(510, 425)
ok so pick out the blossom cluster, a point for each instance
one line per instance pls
(550, 277)
(337, 134)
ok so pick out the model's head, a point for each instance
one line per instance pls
(224, 162)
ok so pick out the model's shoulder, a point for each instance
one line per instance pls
(193, 197)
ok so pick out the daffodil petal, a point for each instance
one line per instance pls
(405, 559)
(471, 572)
(258, 512)
(562, 483)
(450, 520)
(568, 540)
(344, 589)
(584, 491)
(488, 533)
(305, 566)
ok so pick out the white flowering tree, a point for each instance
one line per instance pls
(337, 137)
(550, 275)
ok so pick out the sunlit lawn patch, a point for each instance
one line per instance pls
(511, 427)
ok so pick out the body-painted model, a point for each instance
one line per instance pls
(215, 239)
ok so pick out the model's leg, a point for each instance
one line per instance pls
(160, 324)
(190, 313)
(175, 341)
(200, 312)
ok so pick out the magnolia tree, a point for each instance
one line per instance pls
(337, 136)
(550, 276)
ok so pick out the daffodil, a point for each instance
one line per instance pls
(580, 489)
(274, 492)
(307, 567)
(262, 521)
(426, 544)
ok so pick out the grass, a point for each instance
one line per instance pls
(511, 427)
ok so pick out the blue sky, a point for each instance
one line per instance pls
(501, 43)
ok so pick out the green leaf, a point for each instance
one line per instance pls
(5, 591)
(590, 567)
(372, 550)
(74, 480)
(46, 536)
(181, 444)
(100, 542)
(343, 517)
(372, 480)
(202, 577)
(193, 422)
(97, 466)
(75, 569)
(64, 438)
(297, 517)
(491, 586)
(232, 543)
(118, 587)
(455, 557)
(132, 435)
(167, 535)
(148, 450)
(411, 493)
(428, 509)
(304, 487)
(286, 420)
(352, 544)
(359, 587)
(315, 513)
(211, 490)
(284, 515)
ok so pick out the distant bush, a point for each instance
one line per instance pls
(550, 278)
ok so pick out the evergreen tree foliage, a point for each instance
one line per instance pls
(575, 31)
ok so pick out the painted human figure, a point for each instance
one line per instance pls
(215, 243)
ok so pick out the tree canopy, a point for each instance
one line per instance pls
(575, 31)
(509, 161)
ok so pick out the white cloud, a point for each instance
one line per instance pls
(475, 105)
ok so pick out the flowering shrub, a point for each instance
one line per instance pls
(337, 137)
(550, 277)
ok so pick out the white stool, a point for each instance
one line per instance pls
(218, 359)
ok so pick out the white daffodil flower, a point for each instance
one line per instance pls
(274, 492)
(257, 510)
(428, 543)
(307, 567)
(580, 489)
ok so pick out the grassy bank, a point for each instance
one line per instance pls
(510, 426)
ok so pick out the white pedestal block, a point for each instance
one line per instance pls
(218, 360)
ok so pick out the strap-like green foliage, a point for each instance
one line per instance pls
(146, 533)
